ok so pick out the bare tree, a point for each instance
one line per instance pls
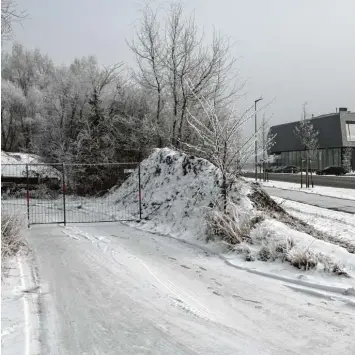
(207, 69)
(10, 14)
(221, 141)
(308, 136)
(166, 60)
(149, 51)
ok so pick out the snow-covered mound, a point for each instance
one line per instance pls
(14, 165)
(179, 192)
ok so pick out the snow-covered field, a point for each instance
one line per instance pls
(319, 190)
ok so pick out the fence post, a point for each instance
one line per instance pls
(64, 192)
(139, 192)
(28, 197)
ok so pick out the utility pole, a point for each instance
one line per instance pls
(264, 149)
(256, 139)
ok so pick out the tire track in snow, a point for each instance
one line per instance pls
(189, 303)
(202, 312)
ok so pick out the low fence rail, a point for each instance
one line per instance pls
(71, 193)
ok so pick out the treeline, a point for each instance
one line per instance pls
(86, 113)
(81, 113)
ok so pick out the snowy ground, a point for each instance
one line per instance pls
(12, 316)
(339, 225)
(319, 190)
(331, 203)
(20, 327)
(112, 289)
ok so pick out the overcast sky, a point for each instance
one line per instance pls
(295, 51)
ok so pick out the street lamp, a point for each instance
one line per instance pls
(256, 140)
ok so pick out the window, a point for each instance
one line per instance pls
(350, 131)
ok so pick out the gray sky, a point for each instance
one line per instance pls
(295, 51)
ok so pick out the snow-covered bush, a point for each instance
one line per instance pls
(12, 241)
(275, 249)
(303, 258)
(231, 224)
(331, 266)
(228, 226)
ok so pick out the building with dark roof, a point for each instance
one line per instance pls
(336, 132)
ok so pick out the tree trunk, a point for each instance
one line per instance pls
(307, 179)
(173, 136)
(160, 141)
(224, 177)
(182, 119)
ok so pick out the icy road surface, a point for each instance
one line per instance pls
(331, 203)
(111, 289)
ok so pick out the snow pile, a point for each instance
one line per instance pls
(179, 192)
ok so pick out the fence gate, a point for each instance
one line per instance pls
(72, 193)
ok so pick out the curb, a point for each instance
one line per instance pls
(31, 310)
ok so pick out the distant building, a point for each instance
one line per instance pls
(336, 132)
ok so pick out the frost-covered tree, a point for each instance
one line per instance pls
(169, 51)
(308, 136)
(13, 113)
(10, 14)
(148, 47)
(220, 139)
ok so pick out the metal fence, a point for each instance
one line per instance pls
(71, 193)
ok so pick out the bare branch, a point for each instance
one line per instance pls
(10, 14)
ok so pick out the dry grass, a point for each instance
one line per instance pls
(275, 249)
(302, 258)
(231, 226)
(12, 240)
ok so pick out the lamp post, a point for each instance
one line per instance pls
(256, 140)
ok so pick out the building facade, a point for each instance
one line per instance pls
(336, 133)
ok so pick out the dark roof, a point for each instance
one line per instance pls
(329, 136)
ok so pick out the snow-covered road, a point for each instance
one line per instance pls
(331, 203)
(112, 289)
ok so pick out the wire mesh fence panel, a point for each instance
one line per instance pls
(46, 197)
(73, 193)
(91, 192)
(32, 191)
(14, 195)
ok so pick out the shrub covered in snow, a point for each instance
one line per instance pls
(302, 258)
(12, 241)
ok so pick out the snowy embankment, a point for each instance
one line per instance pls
(14, 165)
(318, 190)
(339, 225)
(179, 193)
